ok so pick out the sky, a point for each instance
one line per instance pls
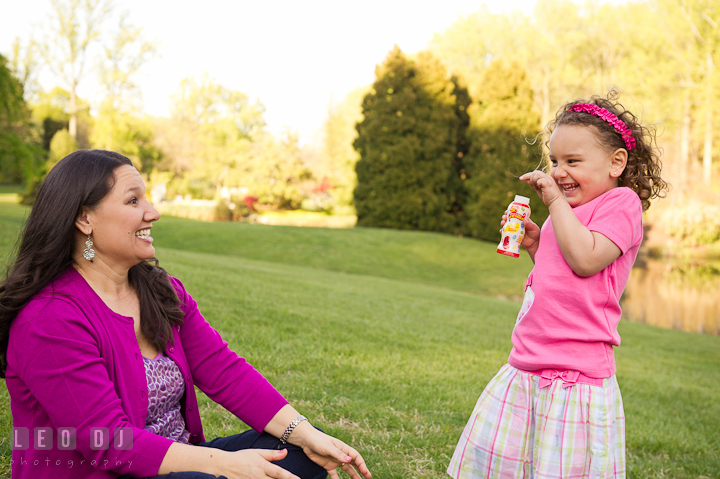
(295, 57)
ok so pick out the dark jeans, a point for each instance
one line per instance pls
(296, 461)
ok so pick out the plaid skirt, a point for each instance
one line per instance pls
(520, 430)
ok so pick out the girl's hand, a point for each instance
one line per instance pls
(532, 234)
(545, 186)
(332, 453)
(255, 464)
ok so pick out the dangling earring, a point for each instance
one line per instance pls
(88, 252)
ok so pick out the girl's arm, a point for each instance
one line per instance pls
(586, 252)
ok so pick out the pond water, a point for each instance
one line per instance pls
(681, 295)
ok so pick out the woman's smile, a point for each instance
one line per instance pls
(144, 235)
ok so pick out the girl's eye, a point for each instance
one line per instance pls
(133, 201)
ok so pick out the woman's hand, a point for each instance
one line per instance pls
(331, 453)
(255, 464)
(323, 450)
(244, 464)
(545, 186)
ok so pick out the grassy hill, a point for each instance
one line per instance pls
(386, 338)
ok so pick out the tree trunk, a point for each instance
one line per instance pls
(707, 153)
(685, 143)
(545, 98)
(72, 128)
(545, 112)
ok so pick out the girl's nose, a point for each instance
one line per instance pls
(558, 172)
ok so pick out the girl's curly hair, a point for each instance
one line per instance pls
(642, 173)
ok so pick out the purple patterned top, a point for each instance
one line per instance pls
(165, 389)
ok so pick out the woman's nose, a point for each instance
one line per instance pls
(151, 214)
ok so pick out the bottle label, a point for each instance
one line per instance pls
(514, 229)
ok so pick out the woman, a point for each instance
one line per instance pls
(101, 351)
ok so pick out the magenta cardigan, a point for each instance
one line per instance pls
(74, 363)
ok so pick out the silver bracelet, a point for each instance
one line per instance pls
(289, 430)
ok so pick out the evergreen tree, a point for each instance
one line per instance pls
(408, 144)
(502, 119)
(457, 183)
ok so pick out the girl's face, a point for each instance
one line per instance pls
(121, 222)
(580, 166)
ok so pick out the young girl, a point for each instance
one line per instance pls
(555, 411)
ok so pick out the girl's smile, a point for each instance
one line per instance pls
(582, 169)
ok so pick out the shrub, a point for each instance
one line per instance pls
(222, 211)
(408, 144)
(694, 221)
(502, 117)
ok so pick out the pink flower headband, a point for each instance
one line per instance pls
(614, 121)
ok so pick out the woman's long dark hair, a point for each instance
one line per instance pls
(81, 179)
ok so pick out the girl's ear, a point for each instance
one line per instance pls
(618, 162)
(82, 222)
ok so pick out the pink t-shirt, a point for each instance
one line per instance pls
(570, 322)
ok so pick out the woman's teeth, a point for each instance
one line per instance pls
(143, 234)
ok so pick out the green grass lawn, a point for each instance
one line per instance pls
(386, 338)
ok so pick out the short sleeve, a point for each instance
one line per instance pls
(618, 216)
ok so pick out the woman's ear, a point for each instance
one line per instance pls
(618, 162)
(82, 222)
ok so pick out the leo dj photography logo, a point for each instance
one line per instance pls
(65, 438)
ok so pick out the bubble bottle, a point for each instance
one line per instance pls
(514, 229)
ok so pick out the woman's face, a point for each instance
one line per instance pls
(121, 223)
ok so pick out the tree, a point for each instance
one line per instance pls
(273, 171)
(124, 55)
(120, 125)
(62, 144)
(75, 29)
(77, 42)
(24, 63)
(703, 18)
(338, 155)
(20, 157)
(216, 138)
(12, 104)
(408, 144)
(205, 102)
(564, 49)
(502, 117)
(50, 114)
(211, 129)
(126, 133)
